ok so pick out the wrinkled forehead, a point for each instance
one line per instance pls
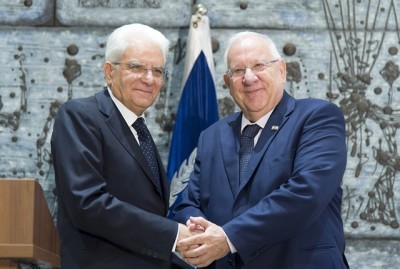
(145, 51)
(248, 49)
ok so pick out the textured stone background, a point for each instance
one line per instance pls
(346, 51)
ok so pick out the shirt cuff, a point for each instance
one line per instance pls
(176, 241)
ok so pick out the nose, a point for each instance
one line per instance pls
(147, 76)
(249, 76)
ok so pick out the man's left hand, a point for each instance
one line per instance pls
(211, 245)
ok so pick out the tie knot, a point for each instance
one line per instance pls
(141, 129)
(251, 130)
(139, 125)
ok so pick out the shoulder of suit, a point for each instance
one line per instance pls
(223, 122)
(229, 118)
(80, 101)
(77, 105)
(312, 104)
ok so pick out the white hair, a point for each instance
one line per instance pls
(271, 47)
(124, 36)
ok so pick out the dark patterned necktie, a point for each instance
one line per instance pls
(148, 149)
(246, 147)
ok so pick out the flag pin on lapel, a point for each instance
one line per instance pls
(274, 128)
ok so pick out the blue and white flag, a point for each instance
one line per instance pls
(197, 109)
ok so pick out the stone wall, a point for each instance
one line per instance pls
(345, 51)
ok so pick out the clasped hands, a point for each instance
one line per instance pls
(201, 242)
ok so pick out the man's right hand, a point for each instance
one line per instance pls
(183, 232)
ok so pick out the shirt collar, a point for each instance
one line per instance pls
(127, 114)
(261, 121)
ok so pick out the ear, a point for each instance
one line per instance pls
(282, 69)
(227, 80)
(108, 69)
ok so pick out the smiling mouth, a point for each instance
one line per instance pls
(144, 90)
(251, 91)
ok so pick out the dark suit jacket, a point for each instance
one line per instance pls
(287, 213)
(110, 214)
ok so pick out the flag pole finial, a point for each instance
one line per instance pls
(199, 9)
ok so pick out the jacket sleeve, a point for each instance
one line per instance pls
(190, 204)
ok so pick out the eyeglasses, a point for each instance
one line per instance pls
(140, 69)
(239, 72)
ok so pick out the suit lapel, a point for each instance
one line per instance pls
(124, 135)
(278, 118)
(230, 143)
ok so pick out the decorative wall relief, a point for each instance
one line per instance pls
(261, 14)
(364, 81)
(26, 12)
(116, 12)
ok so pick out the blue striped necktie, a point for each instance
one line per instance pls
(246, 147)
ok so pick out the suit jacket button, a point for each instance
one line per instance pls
(155, 254)
(143, 251)
(149, 252)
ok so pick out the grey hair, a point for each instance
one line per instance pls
(124, 36)
(243, 35)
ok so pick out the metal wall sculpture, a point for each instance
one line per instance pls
(365, 49)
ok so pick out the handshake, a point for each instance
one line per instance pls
(201, 242)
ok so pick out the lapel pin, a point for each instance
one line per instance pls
(274, 128)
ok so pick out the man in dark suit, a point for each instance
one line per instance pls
(279, 208)
(112, 199)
